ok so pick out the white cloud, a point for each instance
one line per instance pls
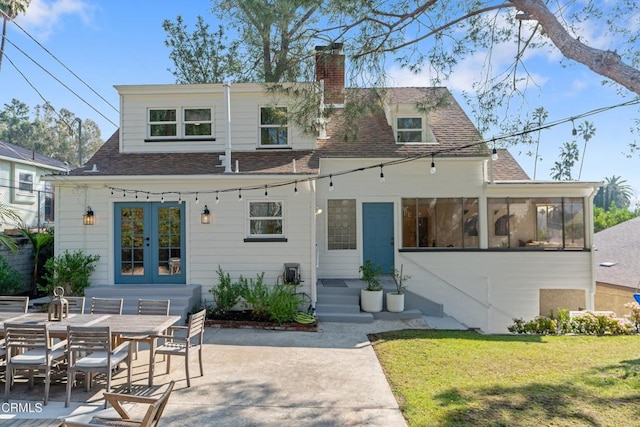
(44, 17)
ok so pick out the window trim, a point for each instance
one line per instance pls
(264, 126)
(265, 237)
(180, 123)
(22, 181)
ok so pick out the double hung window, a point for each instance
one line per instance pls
(266, 219)
(274, 130)
(172, 123)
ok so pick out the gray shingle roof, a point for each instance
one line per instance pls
(506, 168)
(13, 151)
(619, 244)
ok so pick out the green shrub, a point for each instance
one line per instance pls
(71, 270)
(11, 280)
(256, 293)
(226, 294)
(283, 303)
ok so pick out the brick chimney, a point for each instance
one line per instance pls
(330, 68)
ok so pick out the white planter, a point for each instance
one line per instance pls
(395, 302)
(371, 301)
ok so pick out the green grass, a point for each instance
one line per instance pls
(453, 378)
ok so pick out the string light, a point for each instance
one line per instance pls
(381, 174)
(266, 193)
(433, 164)
(124, 193)
(217, 198)
(239, 194)
(197, 200)
(574, 131)
(494, 153)
(136, 194)
(295, 188)
(147, 196)
(179, 198)
(330, 182)
(162, 198)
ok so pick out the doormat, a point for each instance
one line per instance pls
(334, 283)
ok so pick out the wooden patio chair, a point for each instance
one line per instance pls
(29, 347)
(14, 304)
(106, 305)
(181, 340)
(148, 307)
(76, 304)
(151, 416)
(89, 350)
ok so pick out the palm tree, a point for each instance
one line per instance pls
(614, 192)
(8, 215)
(9, 9)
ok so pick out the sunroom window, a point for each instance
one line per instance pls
(545, 223)
(274, 131)
(265, 219)
(440, 223)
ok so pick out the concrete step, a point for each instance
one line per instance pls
(404, 315)
(345, 317)
(337, 308)
(338, 299)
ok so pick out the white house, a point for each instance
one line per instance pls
(476, 235)
(22, 188)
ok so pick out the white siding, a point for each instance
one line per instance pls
(245, 100)
(207, 245)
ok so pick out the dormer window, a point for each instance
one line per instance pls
(180, 123)
(197, 122)
(274, 129)
(409, 129)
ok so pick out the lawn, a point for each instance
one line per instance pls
(459, 378)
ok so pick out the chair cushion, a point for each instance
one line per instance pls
(35, 356)
(99, 359)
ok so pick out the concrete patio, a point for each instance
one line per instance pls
(256, 378)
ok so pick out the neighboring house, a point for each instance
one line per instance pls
(21, 186)
(617, 266)
(477, 236)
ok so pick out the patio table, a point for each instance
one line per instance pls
(120, 324)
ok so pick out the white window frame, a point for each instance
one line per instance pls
(399, 129)
(261, 218)
(28, 182)
(180, 123)
(186, 122)
(275, 126)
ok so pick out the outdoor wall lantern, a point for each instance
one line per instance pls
(205, 216)
(88, 218)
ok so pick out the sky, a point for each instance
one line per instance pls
(120, 42)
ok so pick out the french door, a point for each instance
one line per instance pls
(149, 243)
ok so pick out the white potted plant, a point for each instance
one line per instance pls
(395, 300)
(371, 296)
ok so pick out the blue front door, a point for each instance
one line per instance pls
(377, 235)
(149, 242)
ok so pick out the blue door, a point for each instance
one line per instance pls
(377, 235)
(149, 242)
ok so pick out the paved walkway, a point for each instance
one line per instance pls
(263, 378)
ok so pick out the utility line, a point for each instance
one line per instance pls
(60, 62)
(59, 81)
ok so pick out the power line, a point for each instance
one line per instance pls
(59, 81)
(61, 63)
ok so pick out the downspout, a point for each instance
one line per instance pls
(227, 145)
(591, 300)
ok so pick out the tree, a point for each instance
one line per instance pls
(608, 218)
(50, 132)
(9, 9)
(569, 155)
(615, 193)
(277, 35)
(202, 56)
